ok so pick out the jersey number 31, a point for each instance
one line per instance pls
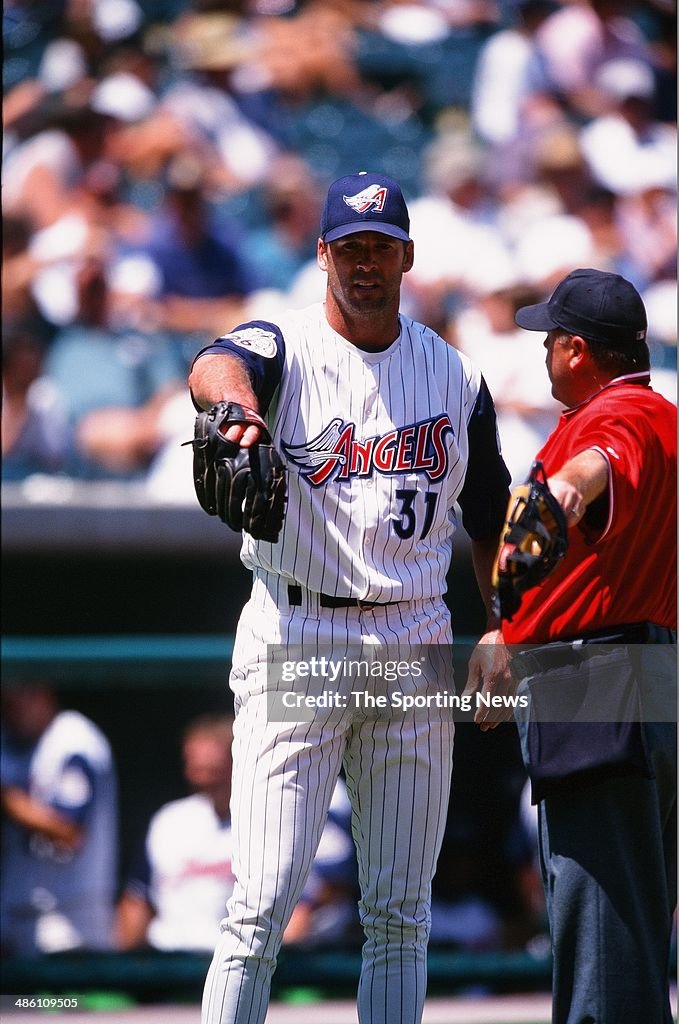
(406, 525)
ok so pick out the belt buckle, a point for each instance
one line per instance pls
(365, 606)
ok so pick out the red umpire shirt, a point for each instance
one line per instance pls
(621, 563)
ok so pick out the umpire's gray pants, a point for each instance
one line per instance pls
(608, 853)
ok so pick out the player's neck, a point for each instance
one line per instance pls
(370, 332)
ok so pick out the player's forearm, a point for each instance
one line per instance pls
(579, 481)
(483, 556)
(218, 378)
(37, 817)
(133, 916)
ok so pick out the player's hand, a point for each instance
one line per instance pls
(489, 673)
(245, 434)
(244, 484)
(242, 435)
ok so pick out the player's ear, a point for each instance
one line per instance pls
(322, 254)
(408, 256)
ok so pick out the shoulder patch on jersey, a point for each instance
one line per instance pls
(254, 339)
(74, 788)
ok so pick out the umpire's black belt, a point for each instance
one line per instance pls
(328, 601)
(570, 651)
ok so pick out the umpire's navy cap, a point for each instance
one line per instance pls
(364, 202)
(595, 304)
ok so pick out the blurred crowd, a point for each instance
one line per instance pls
(164, 163)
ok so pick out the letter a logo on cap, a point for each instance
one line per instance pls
(358, 202)
(371, 198)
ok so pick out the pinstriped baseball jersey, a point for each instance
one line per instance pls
(377, 447)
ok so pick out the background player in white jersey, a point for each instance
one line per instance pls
(60, 834)
(180, 879)
(383, 428)
(175, 895)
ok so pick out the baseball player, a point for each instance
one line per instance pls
(382, 428)
(607, 816)
(59, 802)
(175, 895)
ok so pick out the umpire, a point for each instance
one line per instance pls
(608, 834)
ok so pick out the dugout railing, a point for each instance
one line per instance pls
(327, 973)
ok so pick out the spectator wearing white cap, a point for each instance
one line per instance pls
(575, 41)
(59, 138)
(660, 300)
(486, 332)
(207, 50)
(124, 97)
(626, 148)
(648, 225)
(111, 378)
(454, 227)
(503, 75)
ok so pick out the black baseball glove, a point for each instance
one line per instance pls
(245, 487)
(534, 540)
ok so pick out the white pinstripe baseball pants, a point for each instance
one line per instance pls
(397, 770)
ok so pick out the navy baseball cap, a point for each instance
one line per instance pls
(364, 202)
(595, 304)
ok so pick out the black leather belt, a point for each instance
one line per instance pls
(328, 601)
(571, 650)
(634, 633)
